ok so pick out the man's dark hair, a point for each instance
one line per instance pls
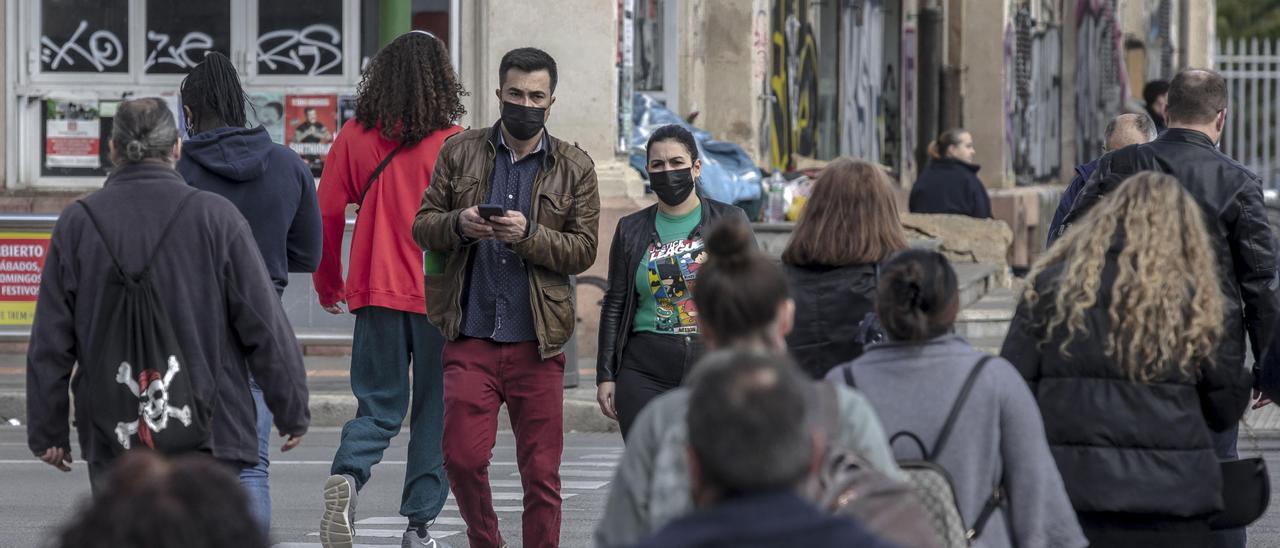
(213, 92)
(674, 132)
(143, 129)
(150, 502)
(1196, 96)
(747, 423)
(409, 89)
(308, 109)
(527, 60)
(1154, 89)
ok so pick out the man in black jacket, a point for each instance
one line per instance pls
(1231, 196)
(210, 278)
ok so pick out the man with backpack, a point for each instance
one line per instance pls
(159, 294)
(747, 459)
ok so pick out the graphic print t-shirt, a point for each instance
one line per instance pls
(666, 276)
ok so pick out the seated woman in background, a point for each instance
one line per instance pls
(997, 442)
(849, 225)
(1116, 335)
(950, 184)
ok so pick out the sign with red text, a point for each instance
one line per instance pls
(21, 262)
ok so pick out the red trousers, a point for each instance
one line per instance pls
(479, 376)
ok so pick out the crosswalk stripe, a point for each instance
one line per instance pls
(595, 464)
(404, 522)
(602, 456)
(392, 533)
(318, 545)
(579, 474)
(520, 496)
(569, 484)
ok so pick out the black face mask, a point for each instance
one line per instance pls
(522, 122)
(672, 187)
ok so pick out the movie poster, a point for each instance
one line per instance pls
(311, 121)
(346, 110)
(266, 109)
(72, 134)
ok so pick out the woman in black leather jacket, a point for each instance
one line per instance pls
(848, 226)
(1118, 333)
(649, 324)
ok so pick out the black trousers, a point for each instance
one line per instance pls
(652, 364)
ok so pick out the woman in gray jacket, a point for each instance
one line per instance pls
(998, 439)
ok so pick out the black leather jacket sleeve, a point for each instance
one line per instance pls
(1253, 253)
(615, 301)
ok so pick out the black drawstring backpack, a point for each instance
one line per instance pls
(136, 387)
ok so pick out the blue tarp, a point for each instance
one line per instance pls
(727, 172)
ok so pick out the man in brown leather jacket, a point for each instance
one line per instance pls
(512, 213)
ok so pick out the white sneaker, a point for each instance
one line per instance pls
(337, 526)
(412, 540)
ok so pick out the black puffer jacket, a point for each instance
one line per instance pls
(630, 241)
(1231, 197)
(1124, 446)
(952, 187)
(830, 304)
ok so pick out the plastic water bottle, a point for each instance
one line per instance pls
(776, 201)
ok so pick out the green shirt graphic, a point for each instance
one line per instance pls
(666, 274)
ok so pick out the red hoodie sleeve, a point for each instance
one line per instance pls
(336, 191)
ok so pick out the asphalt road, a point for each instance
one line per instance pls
(36, 499)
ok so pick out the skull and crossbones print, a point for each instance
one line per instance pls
(154, 410)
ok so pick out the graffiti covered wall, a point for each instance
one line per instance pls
(1034, 123)
(1101, 77)
(793, 83)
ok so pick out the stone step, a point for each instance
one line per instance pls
(988, 318)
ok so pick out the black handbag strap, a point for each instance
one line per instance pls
(168, 226)
(955, 408)
(374, 177)
(993, 502)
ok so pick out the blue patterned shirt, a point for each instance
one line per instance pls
(497, 299)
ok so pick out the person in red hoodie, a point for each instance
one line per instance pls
(382, 161)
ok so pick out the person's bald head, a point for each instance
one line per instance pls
(1129, 129)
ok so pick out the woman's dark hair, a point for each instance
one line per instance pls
(851, 218)
(213, 92)
(409, 89)
(674, 132)
(917, 298)
(949, 138)
(528, 60)
(739, 288)
(143, 129)
(150, 502)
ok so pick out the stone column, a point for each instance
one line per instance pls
(983, 84)
(731, 41)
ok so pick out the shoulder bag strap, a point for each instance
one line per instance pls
(955, 408)
(374, 177)
(997, 496)
(101, 234)
(848, 376)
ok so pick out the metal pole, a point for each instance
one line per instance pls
(930, 80)
(395, 17)
(455, 19)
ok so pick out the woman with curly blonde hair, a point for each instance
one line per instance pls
(1116, 333)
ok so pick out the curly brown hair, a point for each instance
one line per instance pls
(409, 89)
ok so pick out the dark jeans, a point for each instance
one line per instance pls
(1225, 444)
(652, 364)
(388, 346)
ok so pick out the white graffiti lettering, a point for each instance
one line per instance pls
(102, 51)
(322, 43)
(180, 55)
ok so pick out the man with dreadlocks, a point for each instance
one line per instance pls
(272, 188)
(382, 161)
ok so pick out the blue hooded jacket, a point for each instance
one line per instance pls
(270, 185)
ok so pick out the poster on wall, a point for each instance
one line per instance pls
(346, 110)
(21, 262)
(266, 109)
(72, 136)
(309, 127)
